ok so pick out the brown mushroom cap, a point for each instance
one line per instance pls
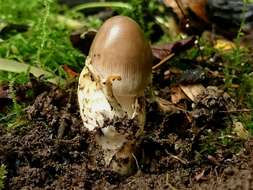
(120, 48)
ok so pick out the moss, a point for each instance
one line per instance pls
(3, 173)
(46, 44)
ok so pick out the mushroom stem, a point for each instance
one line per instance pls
(127, 104)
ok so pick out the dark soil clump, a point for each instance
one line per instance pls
(55, 152)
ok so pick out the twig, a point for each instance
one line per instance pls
(163, 61)
(136, 161)
(235, 111)
(176, 157)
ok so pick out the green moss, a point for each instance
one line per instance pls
(46, 44)
(3, 173)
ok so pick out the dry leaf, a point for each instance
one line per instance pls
(240, 131)
(163, 50)
(192, 90)
(71, 73)
(167, 106)
(177, 94)
(4, 92)
(181, 7)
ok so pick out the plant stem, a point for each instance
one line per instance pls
(102, 5)
(43, 25)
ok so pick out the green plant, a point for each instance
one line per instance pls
(3, 173)
(41, 49)
(238, 70)
(46, 44)
(143, 12)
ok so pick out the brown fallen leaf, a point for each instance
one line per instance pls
(192, 90)
(210, 104)
(4, 92)
(167, 106)
(163, 50)
(71, 73)
(177, 94)
(191, 15)
(183, 7)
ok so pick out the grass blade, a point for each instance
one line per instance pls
(17, 67)
(102, 5)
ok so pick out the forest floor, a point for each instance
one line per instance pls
(198, 126)
(51, 150)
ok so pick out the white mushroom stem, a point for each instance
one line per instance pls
(127, 103)
(98, 104)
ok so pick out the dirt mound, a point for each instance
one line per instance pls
(55, 152)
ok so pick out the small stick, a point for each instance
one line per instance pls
(235, 111)
(176, 157)
(163, 61)
(136, 162)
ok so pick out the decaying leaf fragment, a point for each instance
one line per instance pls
(111, 88)
(211, 104)
(192, 91)
(240, 130)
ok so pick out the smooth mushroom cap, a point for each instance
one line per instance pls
(120, 48)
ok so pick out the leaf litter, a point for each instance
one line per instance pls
(55, 152)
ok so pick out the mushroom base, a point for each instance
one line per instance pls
(117, 132)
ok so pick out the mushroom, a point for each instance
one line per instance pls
(111, 85)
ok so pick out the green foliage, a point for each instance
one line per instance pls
(217, 140)
(143, 13)
(19, 11)
(248, 1)
(239, 70)
(3, 173)
(46, 44)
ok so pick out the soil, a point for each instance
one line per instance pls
(180, 150)
(189, 141)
